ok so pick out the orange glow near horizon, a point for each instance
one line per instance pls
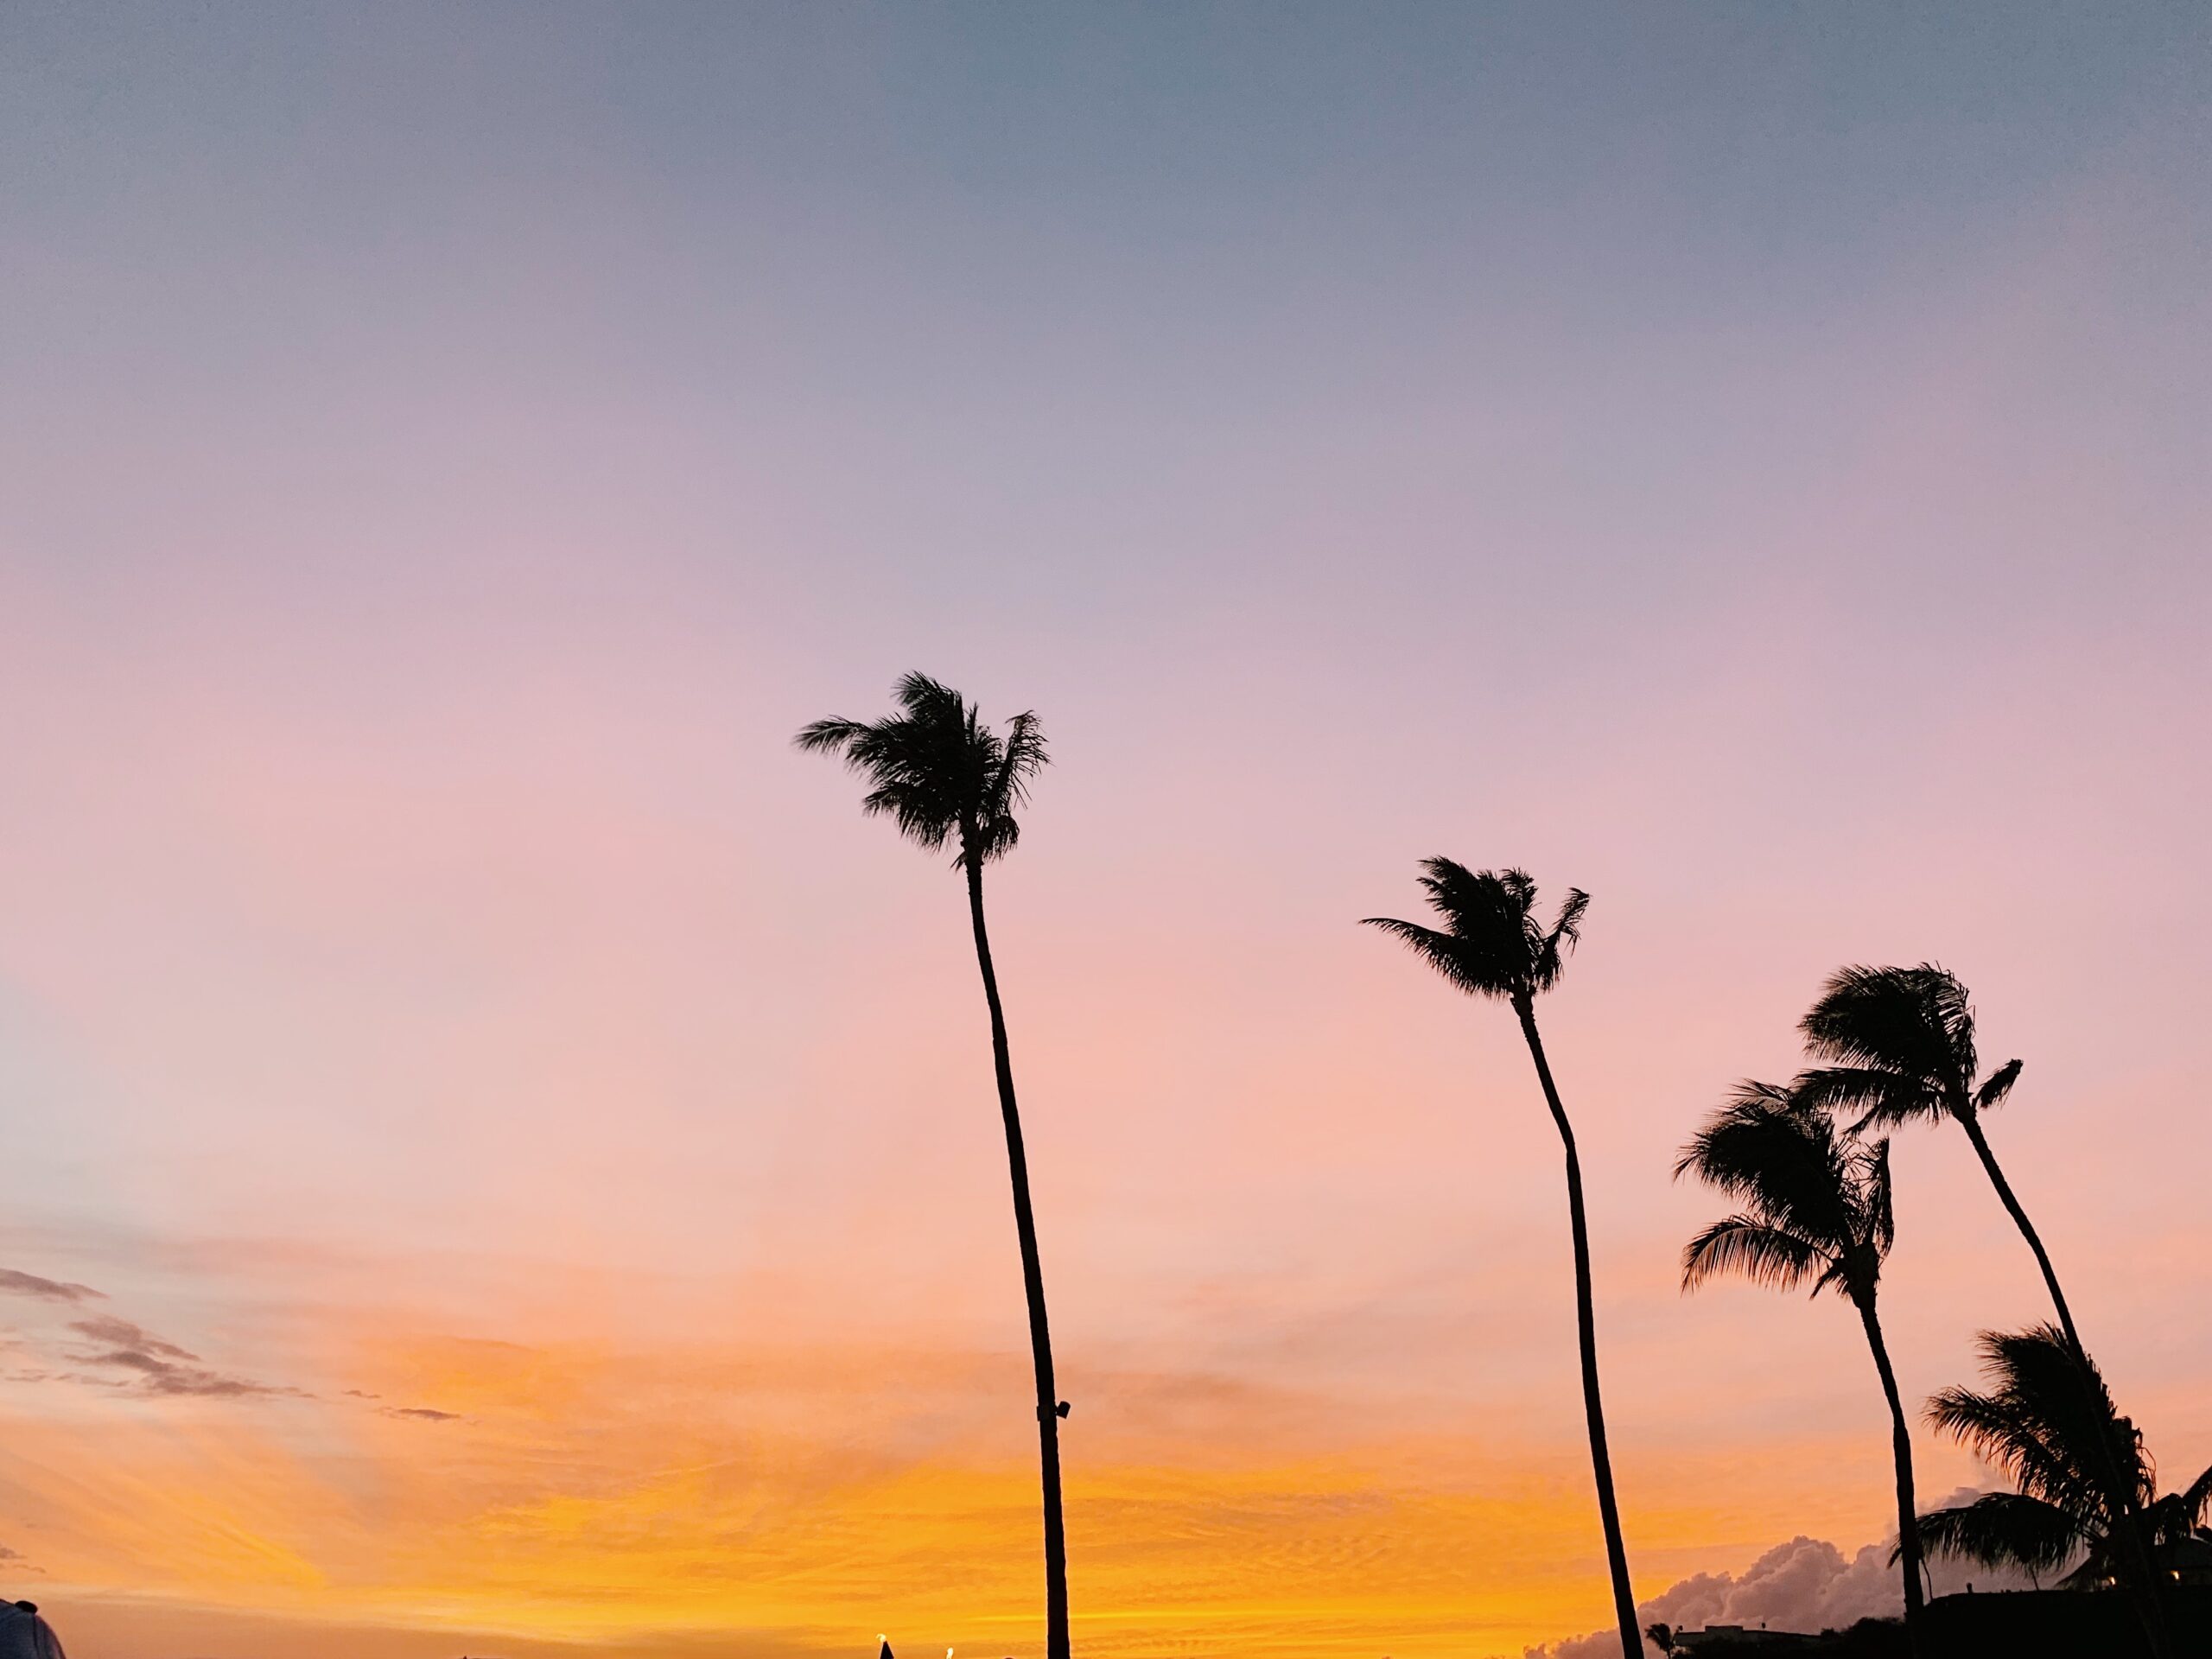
(581, 1497)
(634, 1498)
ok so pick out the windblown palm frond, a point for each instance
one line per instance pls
(1998, 1084)
(1817, 1206)
(1867, 1095)
(2182, 1515)
(1492, 943)
(1900, 1044)
(2194, 1501)
(2004, 1529)
(1742, 1245)
(2050, 1424)
(936, 770)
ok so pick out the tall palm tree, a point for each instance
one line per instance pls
(948, 779)
(1817, 1211)
(2049, 1423)
(1900, 1047)
(1492, 944)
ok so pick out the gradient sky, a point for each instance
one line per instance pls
(502, 1153)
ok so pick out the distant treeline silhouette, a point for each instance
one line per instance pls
(1807, 1162)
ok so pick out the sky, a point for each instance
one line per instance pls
(500, 1155)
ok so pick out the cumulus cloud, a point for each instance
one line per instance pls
(1806, 1585)
(13, 1283)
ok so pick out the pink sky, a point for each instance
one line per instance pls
(429, 982)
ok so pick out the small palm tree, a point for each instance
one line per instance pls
(947, 779)
(1817, 1211)
(1661, 1636)
(1493, 945)
(2050, 1424)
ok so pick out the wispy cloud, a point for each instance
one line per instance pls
(160, 1367)
(16, 1283)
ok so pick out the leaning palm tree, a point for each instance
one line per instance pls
(949, 780)
(1493, 945)
(1900, 1047)
(2050, 1424)
(1817, 1211)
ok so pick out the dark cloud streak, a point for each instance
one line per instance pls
(161, 1367)
(16, 1283)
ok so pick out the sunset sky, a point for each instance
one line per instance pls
(500, 1154)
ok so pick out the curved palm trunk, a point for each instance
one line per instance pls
(1032, 1284)
(1601, 1462)
(2128, 1537)
(1971, 1122)
(1901, 1442)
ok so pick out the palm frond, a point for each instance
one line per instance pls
(1914, 1021)
(2040, 1464)
(1787, 1164)
(1881, 1197)
(1552, 949)
(1496, 947)
(2085, 1479)
(1447, 953)
(2004, 1529)
(1998, 1084)
(1747, 1246)
(2050, 1422)
(833, 734)
(936, 769)
(1870, 1095)
(2197, 1500)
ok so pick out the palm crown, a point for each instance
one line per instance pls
(938, 769)
(1492, 943)
(1900, 1045)
(1816, 1205)
(2081, 1467)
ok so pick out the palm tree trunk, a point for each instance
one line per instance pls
(1032, 1284)
(2130, 1547)
(1601, 1462)
(1901, 1442)
(1971, 1122)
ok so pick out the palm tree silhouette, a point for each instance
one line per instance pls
(1492, 945)
(1900, 1045)
(948, 779)
(2049, 1423)
(1816, 1210)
